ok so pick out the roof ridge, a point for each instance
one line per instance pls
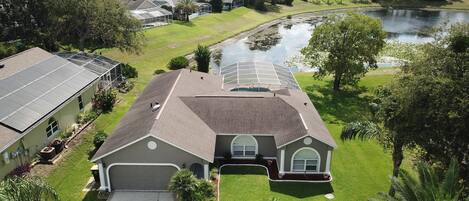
(169, 95)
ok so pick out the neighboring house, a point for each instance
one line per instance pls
(189, 119)
(41, 95)
(150, 12)
(232, 4)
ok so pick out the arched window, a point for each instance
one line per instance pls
(244, 146)
(305, 160)
(52, 127)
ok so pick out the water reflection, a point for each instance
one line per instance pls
(401, 25)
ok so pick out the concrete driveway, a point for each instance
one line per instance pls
(141, 196)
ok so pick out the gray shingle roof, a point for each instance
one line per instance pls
(195, 107)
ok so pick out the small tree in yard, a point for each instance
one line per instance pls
(346, 47)
(188, 188)
(26, 189)
(178, 63)
(202, 56)
(104, 100)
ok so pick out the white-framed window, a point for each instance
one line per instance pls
(305, 160)
(244, 146)
(52, 127)
(80, 103)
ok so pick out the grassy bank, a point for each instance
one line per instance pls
(177, 39)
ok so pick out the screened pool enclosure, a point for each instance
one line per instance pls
(258, 76)
(108, 70)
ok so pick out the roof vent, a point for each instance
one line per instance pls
(306, 103)
(155, 106)
(201, 78)
(2, 66)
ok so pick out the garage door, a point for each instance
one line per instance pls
(140, 177)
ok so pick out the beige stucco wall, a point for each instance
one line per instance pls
(36, 138)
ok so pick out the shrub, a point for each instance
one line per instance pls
(178, 63)
(188, 188)
(128, 71)
(260, 5)
(259, 158)
(205, 190)
(202, 57)
(65, 134)
(99, 139)
(21, 170)
(86, 117)
(227, 156)
(289, 17)
(217, 5)
(289, 2)
(159, 71)
(214, 173)
(103, 100)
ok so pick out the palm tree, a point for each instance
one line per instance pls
(186, 7)
(428, 186)
(368, 130)
(26, 189)
(183, 184)
(202, 56)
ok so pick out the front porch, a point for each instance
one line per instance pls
(273, 172)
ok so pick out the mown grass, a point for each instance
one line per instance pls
(162, 44)
(360, 168)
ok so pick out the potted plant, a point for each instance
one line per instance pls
(47, 153)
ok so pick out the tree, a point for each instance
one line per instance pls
(104, 100)
(260, 5)
(95, 24)
(432, 99)
(26, 189)
(26, 24)
(383, 127)
(217, 5)
(186, 8)
(202, 57)
(188, 188)
(345, 46)
(289, 2)
(429, 185)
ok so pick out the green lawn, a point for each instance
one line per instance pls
(161, 45)
(359, 169)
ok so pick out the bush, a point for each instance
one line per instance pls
(65, 134)
(260, 5)
(104, 100)
(227, 156)
(99, 139)
(188, 188)
(202, 56)
(178, 63)
(21, 170)
(159, 71)
(213, 173)
(128, 71)
(289, 2)
(86, 117)
(289, 17)
(259, 158)
(217, 5)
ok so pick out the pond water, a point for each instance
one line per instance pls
(285, 41)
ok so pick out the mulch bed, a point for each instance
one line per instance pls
(271, 165)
